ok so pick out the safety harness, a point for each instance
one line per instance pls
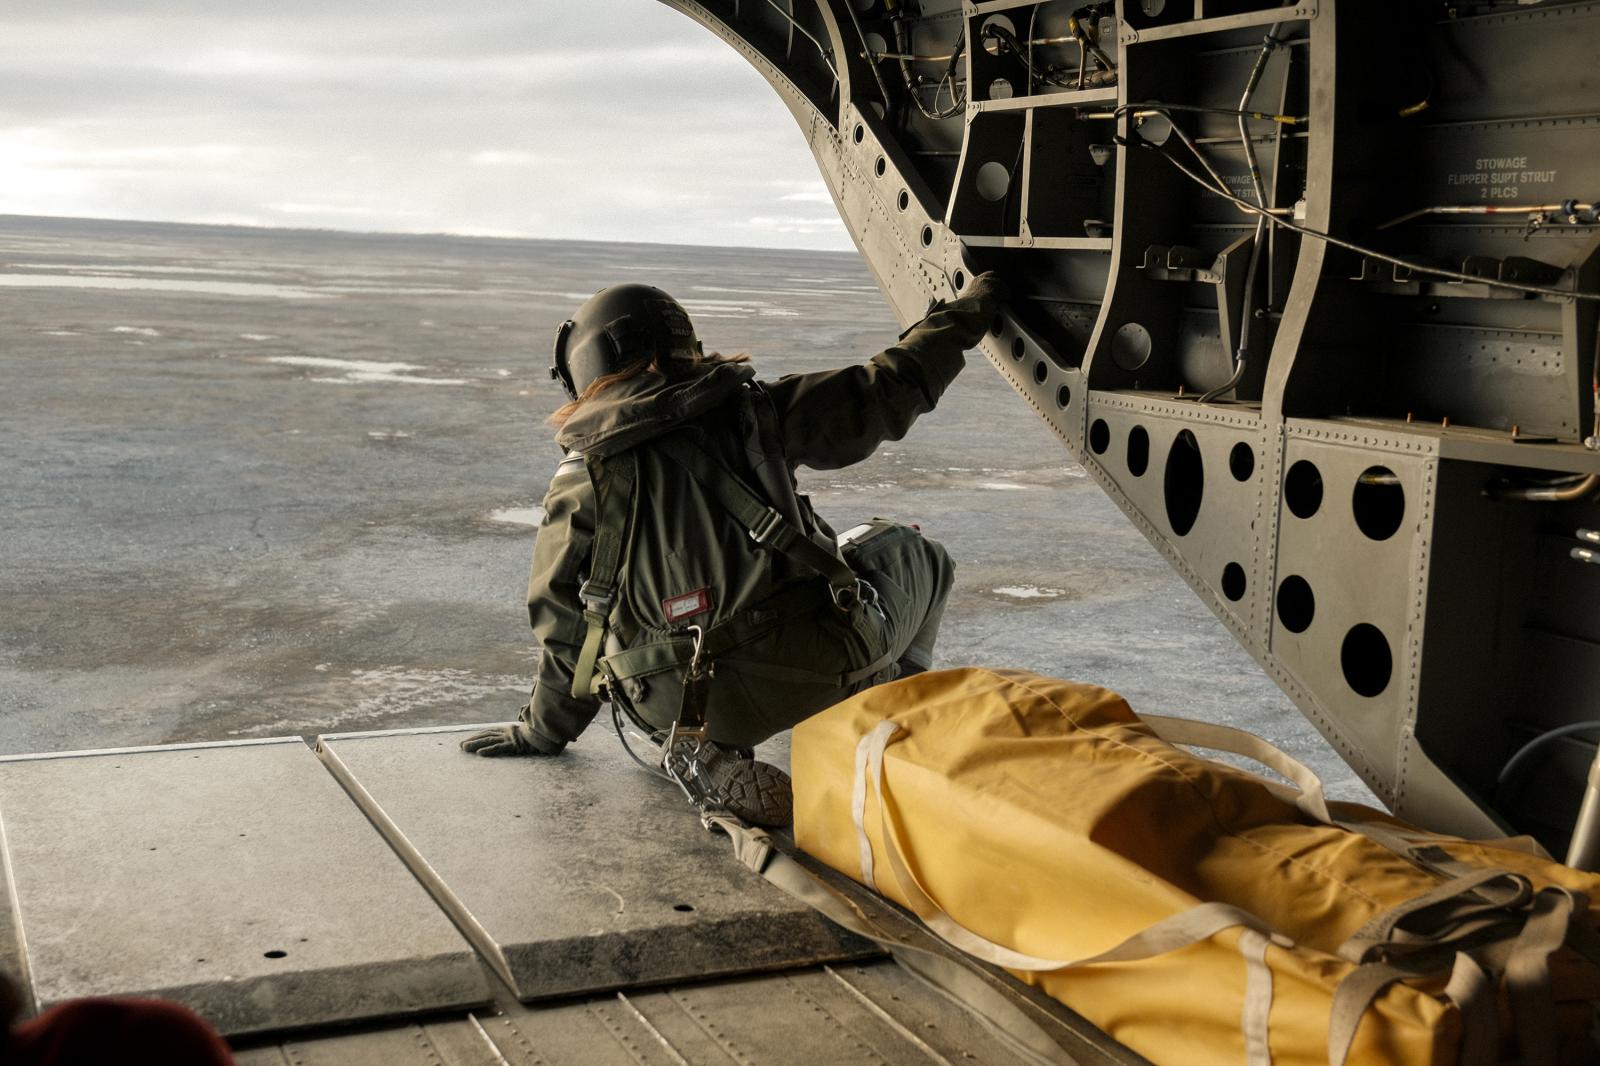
(695, 649)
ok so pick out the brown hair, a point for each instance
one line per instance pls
(672, 362)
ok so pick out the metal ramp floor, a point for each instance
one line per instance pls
(381, 897)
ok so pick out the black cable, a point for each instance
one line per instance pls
(1306, 231)
(1006, 37)
(616, 723)
(1076, 27)
(1527, 751)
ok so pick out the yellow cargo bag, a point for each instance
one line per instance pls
(1194, 912)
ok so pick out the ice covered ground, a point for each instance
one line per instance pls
(229, 510)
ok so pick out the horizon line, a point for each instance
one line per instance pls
(402, 234)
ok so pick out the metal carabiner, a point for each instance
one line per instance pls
(697, 655)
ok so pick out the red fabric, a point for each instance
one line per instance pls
(116, 1032)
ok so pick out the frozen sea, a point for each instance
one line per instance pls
(270, 482)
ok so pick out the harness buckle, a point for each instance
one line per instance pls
(768, 527)
(598, 601)
(862, 592)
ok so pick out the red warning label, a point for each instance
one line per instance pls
(686, 606)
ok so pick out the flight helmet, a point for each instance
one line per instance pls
(616, 328)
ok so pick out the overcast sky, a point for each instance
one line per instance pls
(599, 119)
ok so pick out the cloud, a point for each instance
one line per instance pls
(631, 123)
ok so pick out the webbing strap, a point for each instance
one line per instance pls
(1350, 1002)
(614, 478)
(1236, 741)
(764, 523)
(1385, 931)
(755, 850)
(1488, 903)
(869, 746)
(1474, 996)
(1256, 1015)
(673, 650)
(1528, 972)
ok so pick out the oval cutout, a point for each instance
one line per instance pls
(1297, 604)
(1378, 503)
(1242, 461)
(1138, 451)
(1185, 483)
(1302, 489)
(1366, 660)
(1233, 582)
(1099, 436)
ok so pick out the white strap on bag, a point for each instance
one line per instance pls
(1180, 930)
(1310, 800)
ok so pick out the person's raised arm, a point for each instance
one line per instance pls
(838, 417)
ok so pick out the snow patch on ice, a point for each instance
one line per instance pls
(363, 371)
(391, 691)
(522, 516)
(143, 331)
(383, 434)
(1029, 592)
(1003, 486)
(258, 336)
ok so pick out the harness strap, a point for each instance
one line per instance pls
(764, 522)
(673, 650)
(614, 479)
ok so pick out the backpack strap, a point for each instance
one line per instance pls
(765, 453)
(765, 523)
(614, 479)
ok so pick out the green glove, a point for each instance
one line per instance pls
(512, 739)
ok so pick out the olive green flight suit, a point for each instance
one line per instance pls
(796, 650)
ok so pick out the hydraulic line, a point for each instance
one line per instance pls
(1508, 772)
(877, 75)
(1241, 359)
(1050, 76)
(1082, 34)
(1580, 488)
(1569, 208)
(1339, 242)
(827, 57)
(905, 58)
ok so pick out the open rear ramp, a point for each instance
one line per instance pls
(574, 874)
(314, 923)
